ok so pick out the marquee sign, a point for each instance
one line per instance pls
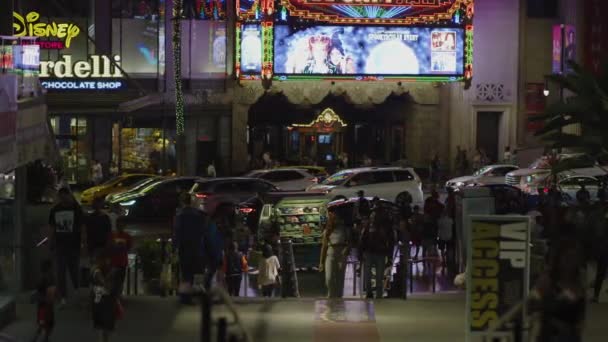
(29, 26)
(429, 40)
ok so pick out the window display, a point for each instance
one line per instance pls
(73, 140)
(147, 150)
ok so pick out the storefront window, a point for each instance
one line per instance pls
(73, 140)
(140, 43)
(147, 150)
(203, 49)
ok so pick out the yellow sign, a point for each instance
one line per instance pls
(29, 26)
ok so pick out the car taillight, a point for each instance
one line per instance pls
(246, 210)
(201, 195)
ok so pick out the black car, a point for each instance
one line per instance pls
(156, 201)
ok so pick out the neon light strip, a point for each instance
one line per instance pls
(370, 78)
(267, 46)
(406, 3)
(237, 64)
(332, 18)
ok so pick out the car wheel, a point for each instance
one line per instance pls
(339, 198)
(403, 199)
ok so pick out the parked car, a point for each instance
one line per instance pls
(570, 184)
(492, 174)
(210, 194)
(532, 178)
(319, 172)
(133, 189)
(114, 185)
(158, 200)
(389, 183)
(288, 179)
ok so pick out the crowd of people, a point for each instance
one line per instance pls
(376, 233)
(100, 239)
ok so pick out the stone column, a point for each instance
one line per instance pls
(103, 27)
(240, 115)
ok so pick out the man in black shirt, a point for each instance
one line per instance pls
(98, 229)
(65, 220)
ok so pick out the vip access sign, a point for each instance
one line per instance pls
(497, 274)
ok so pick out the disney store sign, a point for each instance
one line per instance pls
(31, 26)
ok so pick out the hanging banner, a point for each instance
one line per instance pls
(557, 49)
(498, 273)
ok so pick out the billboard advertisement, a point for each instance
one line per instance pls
(251, 49)
(367, 50)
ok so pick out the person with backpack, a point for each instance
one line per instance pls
(188, 240)
(66, 221)
(361, 210)
(334, 251)
(377, 242)
(235, 264)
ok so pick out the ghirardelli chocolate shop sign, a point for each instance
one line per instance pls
(98, 66)
(96, 73)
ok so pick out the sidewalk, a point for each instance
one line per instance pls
(422, 318)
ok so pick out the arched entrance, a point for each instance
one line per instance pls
(319, 133)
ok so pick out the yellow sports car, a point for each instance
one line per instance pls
(114, 185)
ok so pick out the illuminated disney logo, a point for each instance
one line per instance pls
(28, 26)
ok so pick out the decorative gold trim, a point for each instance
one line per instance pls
(327, 117)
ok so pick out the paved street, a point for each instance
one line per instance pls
(422, 318)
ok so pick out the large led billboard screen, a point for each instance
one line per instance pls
(368, 50)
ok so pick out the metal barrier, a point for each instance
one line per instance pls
(433, 261)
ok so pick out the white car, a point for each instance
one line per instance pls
(285, 179)
(570, 184)
(389, 183)
(492, 174)
(530, 179)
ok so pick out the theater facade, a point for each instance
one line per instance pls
(304, 80)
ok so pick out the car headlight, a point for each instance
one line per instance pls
(127, 203)
(460, 184)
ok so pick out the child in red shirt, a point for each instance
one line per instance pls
(121, 243)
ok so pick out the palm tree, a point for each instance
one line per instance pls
(587, 106)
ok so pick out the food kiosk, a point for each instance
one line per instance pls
(295, 216)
